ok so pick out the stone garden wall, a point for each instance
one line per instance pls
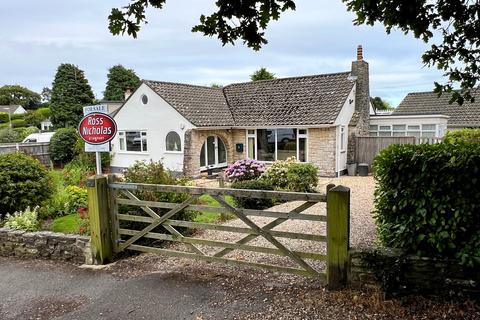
(45, 245)
(400, 273)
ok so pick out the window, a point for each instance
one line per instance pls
(385, 131)
(399, 130)
(135, 141)
(277, 144)
(429, 130)
(413, 131)
(144, 99)
(173, 142)
(373, 131)
(342, 138)
(402, 130)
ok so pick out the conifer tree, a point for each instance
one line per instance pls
(119, 79)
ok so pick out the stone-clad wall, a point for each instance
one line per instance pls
(45, 245)
(410, 273)
(321, 150)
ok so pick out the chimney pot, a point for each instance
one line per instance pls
(359, 53)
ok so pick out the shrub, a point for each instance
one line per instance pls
(87, 159)
(155, 173)
(464, 135)
(34, 118)
(252, 203)
(245, 169)
(62, 145)
(19, 123)
(23, 220)
(24, 182)
(302, 177)
(9, 135)
(24, 132)
(4, 118)
(76, 173)
(427, 200)
(45, 112)
(291, 175)
(64, 202)
(18, 116)
(76, 198)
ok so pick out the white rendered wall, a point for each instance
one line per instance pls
(158, 118)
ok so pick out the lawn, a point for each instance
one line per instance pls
(209, 216)
(66, 224)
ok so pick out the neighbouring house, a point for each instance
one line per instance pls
(193, 129)
(425, 115)
(13, 109)
(46, 125)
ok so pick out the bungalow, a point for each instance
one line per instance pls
(425, 115)
(195, 128)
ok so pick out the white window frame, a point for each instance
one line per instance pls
(181, 143)
(123, 136)
(342, 139)
(255, 151)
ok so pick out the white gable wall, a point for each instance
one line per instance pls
(157, 118)
(343, 119)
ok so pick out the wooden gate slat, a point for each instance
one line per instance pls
(223, 244)
(266, 235)
(159, 221)
(319, 275)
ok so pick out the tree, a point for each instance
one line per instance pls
(262, 74)
(119, 80)
(18, 95)
(379, 104)
(455, 23)
(46, 94)
(70, 93)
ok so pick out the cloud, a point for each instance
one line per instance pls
(319, 37)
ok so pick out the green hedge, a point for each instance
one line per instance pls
(18, 116)
(253, 203)
(4, 117)
(63, 145)
(464, 135)
(19, 123)
(427, 200)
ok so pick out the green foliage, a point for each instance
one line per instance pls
(65, 200)
(4, 118)
(262, 74)
(76, 173)
(19, 123)
(427, 200)
(24, 182)
(119, 80)
(25, 132)
(17, 116)
(291, 175)
(252, 203)
(302, 177)
(70, 93)
(18, 95)
(380, 104)
(155, 173)
(464, 135)
(45, 112)
(8, 135)
(62, 145)
(34, 118)
(23, 220)
(77, 223)
(87, 159)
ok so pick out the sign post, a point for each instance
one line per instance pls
(97, 129)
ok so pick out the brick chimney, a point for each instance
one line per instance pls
(362, 94)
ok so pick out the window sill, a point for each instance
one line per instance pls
(134, 152)
(174, 152)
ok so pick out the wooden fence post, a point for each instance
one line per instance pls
(100, 227)
(338, 234)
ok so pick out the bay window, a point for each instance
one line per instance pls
(277, 144)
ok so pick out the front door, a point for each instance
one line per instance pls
(213, 154)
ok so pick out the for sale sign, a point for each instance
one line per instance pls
(97, 128)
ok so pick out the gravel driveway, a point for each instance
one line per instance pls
(362, 226)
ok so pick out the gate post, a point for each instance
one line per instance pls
(338, 234)
(100, 228)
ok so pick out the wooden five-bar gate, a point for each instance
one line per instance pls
(113, 230)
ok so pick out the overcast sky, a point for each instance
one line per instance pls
(319, 37)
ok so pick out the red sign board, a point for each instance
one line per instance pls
(97, 128)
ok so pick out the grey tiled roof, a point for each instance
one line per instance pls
(202, 106)
(307, 100)
(12, 108)
(418, 103)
